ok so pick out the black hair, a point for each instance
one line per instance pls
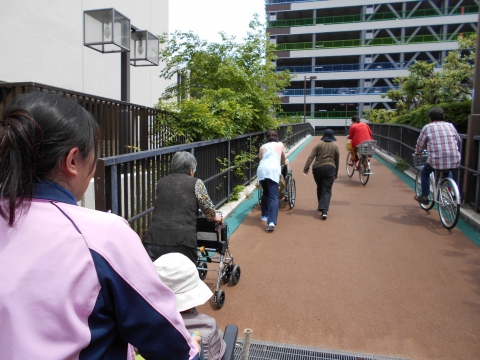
(271, 136)
(37, 131)
(355, 118)
(436, 114)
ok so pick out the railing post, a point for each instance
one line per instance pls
(229, 187)
(473, 129)
(100, 199)
(250, 159)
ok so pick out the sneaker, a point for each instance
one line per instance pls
(324, 214)
(270, 227)
(422, 199)
(264, 219)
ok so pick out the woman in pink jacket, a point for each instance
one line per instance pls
(75, 283)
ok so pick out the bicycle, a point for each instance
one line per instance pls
(443, 192)
(365, 151)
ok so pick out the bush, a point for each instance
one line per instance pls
(456, 112)
(401, 164)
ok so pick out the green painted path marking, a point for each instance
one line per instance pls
(462, 225)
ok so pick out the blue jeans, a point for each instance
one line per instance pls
(270, 200)
(425, 176)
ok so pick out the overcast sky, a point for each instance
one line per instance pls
(208, 17)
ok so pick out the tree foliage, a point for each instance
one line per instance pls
(425, 87)
(227, 88)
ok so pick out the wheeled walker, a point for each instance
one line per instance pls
(213, 248)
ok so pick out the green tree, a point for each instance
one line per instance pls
(227, 88)
(425, 86)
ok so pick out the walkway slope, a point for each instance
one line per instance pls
(379, 276)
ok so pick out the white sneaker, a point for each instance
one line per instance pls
(271, 227)
(264, 219)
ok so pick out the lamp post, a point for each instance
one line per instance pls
(305, 96)
(108, 31)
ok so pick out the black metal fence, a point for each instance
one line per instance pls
(126, 128)
(400, 141)
(125, 184)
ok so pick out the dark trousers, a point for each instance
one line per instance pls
(155, 251)
(425, 176)
(270, 200)
(324, 177)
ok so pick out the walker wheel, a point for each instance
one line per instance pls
(202, 273)
(220, 298)
(227, 271)
(236, 272)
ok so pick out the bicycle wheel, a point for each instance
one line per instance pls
(418, 191)
(363, 172)
(449, 203)
(292, 192)
(350, 168)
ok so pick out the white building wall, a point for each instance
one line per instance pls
(42, 42)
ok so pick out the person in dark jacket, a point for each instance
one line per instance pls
(178, 197)
(324, 169)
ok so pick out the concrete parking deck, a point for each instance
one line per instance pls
(380, 276)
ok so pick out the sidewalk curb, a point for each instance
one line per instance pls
(466, 211)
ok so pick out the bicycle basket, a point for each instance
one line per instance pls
(367, 148)
(348, 145)
(420, 160)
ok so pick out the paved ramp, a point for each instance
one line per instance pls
(380, 276)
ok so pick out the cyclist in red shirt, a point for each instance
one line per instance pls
(358, 133)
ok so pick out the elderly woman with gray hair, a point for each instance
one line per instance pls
(178, 197)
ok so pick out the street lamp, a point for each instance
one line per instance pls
(144, 48)
(305, 95)
(108, 31)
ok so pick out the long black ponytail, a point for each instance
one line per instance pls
(37, 130)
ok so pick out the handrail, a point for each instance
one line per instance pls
(343, 91)
(267, 2)
(332, 44)
(380, 16)
(336, 114)
(400, 141)
(378, 66)
(125, 184)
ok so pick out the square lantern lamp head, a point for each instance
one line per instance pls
(106, 30)
(144, 48)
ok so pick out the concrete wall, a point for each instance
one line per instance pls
(42, 41)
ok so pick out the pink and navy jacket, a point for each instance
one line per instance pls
(78, 284)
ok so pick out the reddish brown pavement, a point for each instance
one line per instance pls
(379, 276)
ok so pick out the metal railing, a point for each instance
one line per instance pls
(126, 127)
(319, 114)
(379, 66)
(333, 44)
(125, 184)
(380, 16)
(375, 90)
(268, 2)
(400, 141)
